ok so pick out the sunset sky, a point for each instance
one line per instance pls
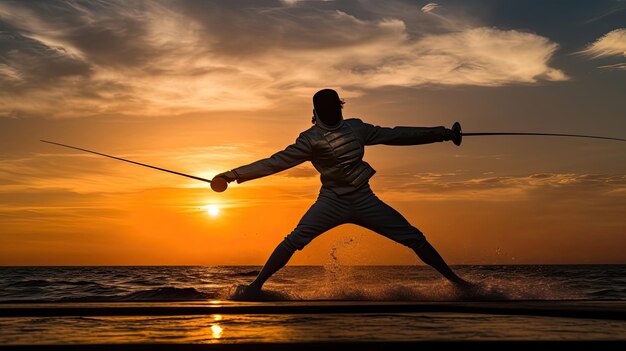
(203, 87)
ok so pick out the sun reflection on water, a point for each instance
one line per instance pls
(216, 330)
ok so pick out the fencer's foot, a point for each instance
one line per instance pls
(246, 293)
(464, 285)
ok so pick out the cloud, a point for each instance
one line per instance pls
(610, 45)
(479, 56)
(429, 7)
(162, 58)
(616, 66)
(555, 187)
(28, 61)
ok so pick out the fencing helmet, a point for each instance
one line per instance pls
(327, 108)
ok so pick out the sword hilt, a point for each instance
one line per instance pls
(219, 184)
(458, 134)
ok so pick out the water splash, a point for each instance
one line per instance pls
(356, 283)
(434, 290)
(335, 271)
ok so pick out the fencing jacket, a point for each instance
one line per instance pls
(337, 153)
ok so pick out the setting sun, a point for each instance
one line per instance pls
(212, 210)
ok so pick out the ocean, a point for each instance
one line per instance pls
(332, 282)
(80, 288)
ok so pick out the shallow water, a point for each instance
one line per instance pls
(302, 328)
(333, 282)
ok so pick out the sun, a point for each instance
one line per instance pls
(212, 210)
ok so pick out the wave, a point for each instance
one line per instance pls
(607, 293)
(40, 283)
(167, 294)
(159, 294)
(34, 283)
(252, 273)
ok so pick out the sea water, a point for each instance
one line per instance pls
(332, 282)
(77, 286)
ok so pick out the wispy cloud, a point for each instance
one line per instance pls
(429, 7)
(612, 44)
(156, 58)
(554, 186)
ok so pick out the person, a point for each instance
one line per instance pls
(335, 146)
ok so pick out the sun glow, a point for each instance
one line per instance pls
(212, 210)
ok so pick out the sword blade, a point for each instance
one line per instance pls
(129, 161)
(545, 134)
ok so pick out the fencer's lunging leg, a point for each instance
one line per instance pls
(278, 259)
(431, 257)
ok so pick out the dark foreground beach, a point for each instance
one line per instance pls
(187, 308)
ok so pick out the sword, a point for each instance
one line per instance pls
(217, 184)
(456, 128)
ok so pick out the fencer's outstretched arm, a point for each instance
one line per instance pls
(374, 135)
(291, 156)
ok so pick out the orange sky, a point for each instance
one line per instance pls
(165, 85)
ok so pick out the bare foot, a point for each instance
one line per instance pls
(246, 293)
